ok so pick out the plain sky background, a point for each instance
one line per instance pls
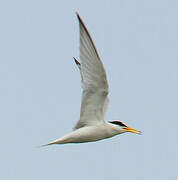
(40, 90)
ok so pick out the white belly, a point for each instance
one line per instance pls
(88, 134)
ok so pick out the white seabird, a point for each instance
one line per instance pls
(92, 126)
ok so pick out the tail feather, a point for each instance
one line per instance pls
(58, 141)
(47, 144)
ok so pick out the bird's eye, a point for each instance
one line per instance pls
(118, 123)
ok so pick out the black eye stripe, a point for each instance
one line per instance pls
(118, 123)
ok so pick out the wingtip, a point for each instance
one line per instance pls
(76, 61)
(79, 18)
(77, 14)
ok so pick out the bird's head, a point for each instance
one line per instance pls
(122, 127)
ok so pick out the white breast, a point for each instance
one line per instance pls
(90, 133)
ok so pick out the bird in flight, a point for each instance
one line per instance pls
(92, 126)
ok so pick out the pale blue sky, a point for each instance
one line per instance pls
(40, 90)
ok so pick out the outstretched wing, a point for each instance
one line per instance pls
(94, 81)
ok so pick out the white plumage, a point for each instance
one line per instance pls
(92, 126)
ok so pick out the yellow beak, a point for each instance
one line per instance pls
(129, 129)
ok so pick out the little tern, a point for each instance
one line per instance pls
(92, 126)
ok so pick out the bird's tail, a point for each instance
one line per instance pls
(58, 141)
(47, 144)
